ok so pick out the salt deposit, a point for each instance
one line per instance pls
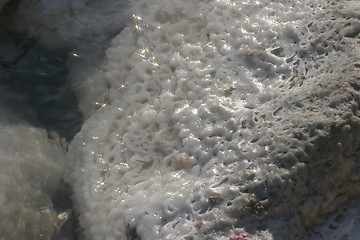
(220, 119)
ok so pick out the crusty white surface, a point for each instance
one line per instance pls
(241, 115)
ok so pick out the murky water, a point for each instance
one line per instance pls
(37, 90)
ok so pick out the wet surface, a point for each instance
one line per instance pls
(68, 225)
(37, 86)
(38, 76)
(35, 89)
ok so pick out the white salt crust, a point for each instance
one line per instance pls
(31, 168)
(211, 119)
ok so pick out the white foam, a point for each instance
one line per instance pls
(208, 111)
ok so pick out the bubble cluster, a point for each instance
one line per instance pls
(240, 115)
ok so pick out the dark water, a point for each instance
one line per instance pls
(36, 89)
(36, 79)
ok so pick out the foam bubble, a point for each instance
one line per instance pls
(235, 114)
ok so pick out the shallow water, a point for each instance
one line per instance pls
(36, 79)
(36, 89)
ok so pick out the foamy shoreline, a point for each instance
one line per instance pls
(209, 119)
